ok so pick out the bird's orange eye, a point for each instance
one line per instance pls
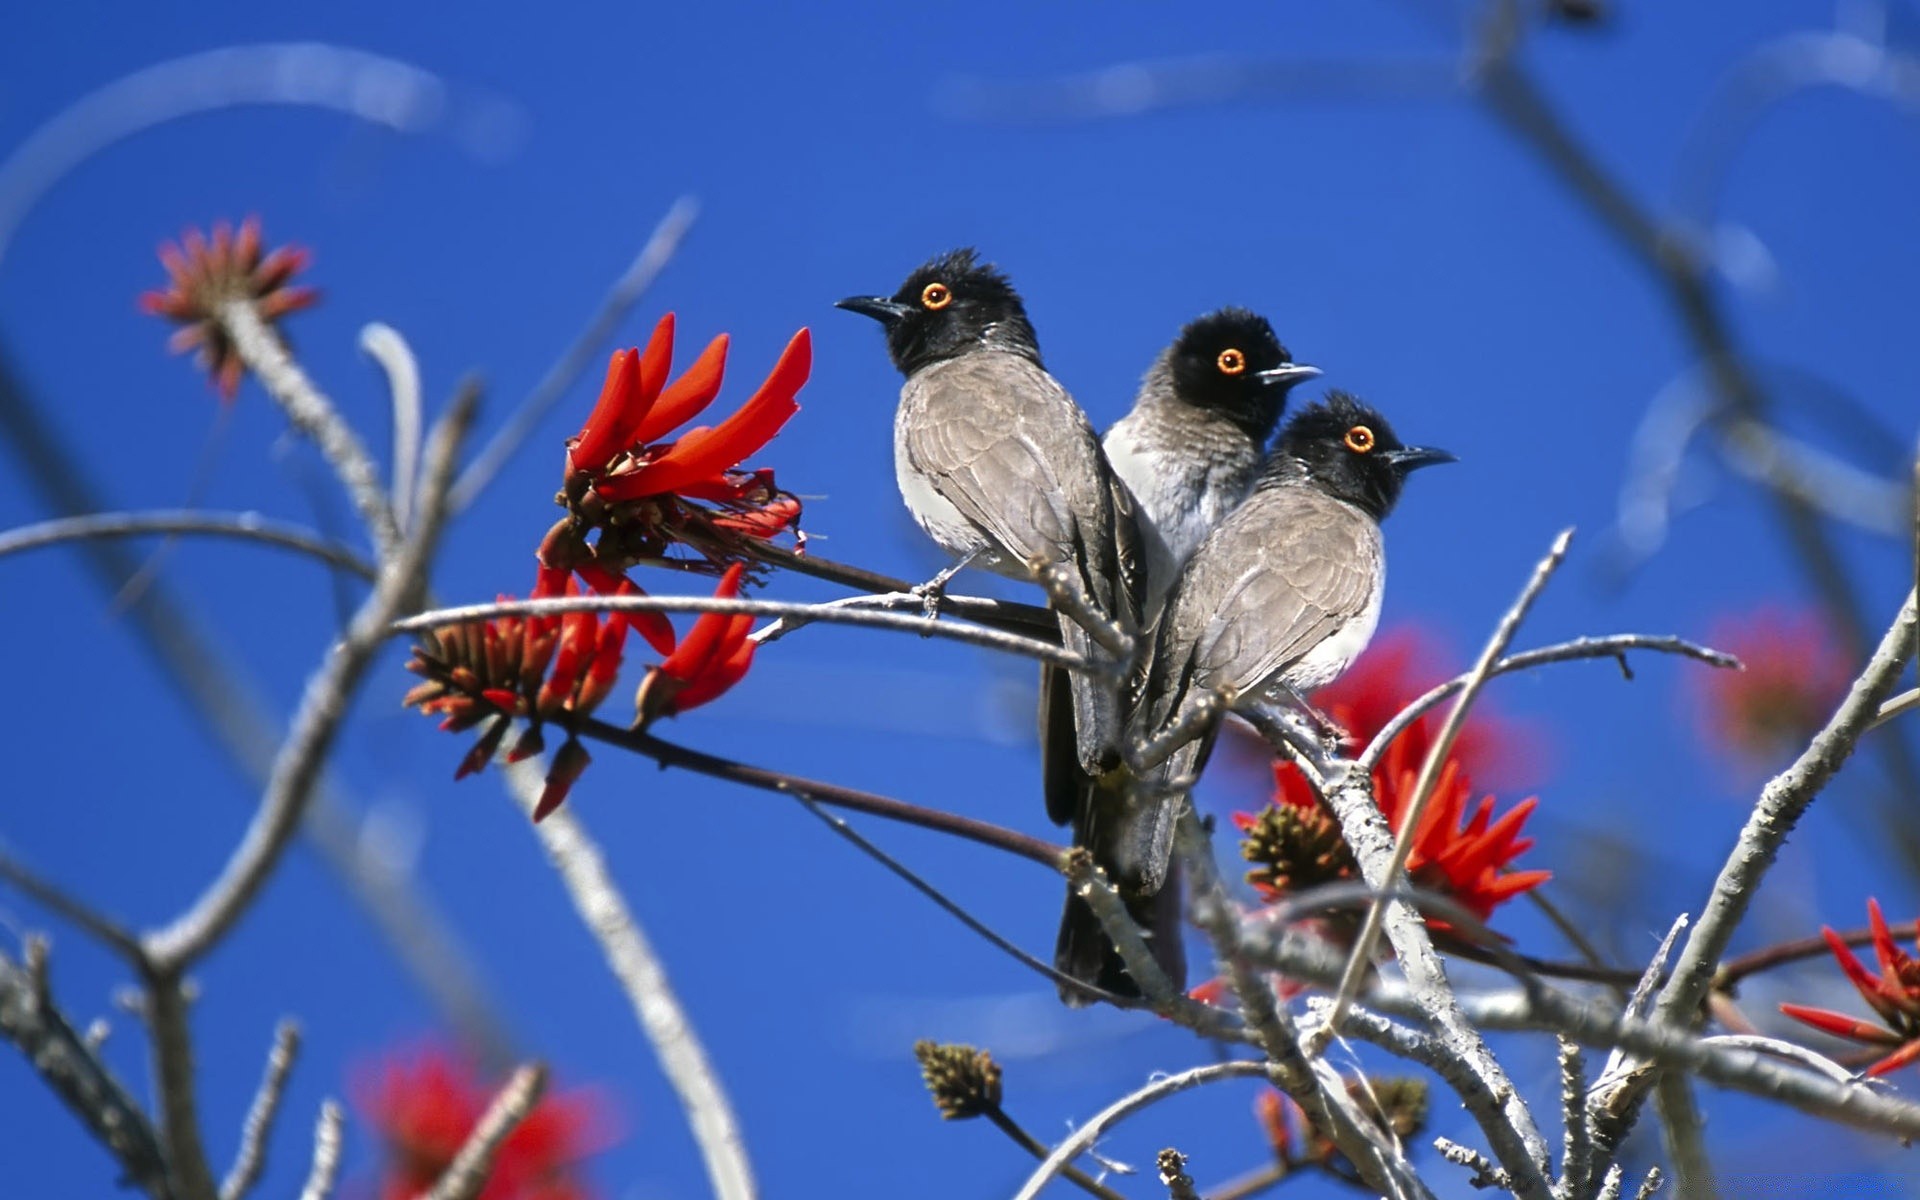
(1359, 439)
(1231, 362)
(935, 297)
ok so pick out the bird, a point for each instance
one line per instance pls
(1278, 599)
(999, 465)
(1188, 450)
(1198, 430)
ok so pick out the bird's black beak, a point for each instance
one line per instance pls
(880, 308)
(1412, 458)
(1288, 374)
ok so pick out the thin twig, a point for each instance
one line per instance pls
(384, 345)
(1790, 1051)
(210, 685)
(1039, 1149)
(1768, 957)
(103, 928)
(1782, 802)
(1087, 1134)
(1613, 646)
(1576, 1146)
(670, 754)
(994, 614)
(73, 1071)
(326, 1154)
(1173, 1174)
(322, 709)
(1485, 1173)
(251, 1159)
(631, 958)
(972, 635)
(1679, 1113)
(1089, 882)
(314, 415)
(374, 88)
(661, 245)
(960, 914)
(1437, 753)
(245, 526)
(467, 1174)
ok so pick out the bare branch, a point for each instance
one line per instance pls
(962, 915)
(972, 635)
(1576, 1147)
(661, 245)
(467, 1174)
(1485, 1173)
(322, 709)
(1782, 802)
(371, 87)
(1173, 1174)
(252, 1157)
(326, 1155)
(633, 962)
(105, 929)
(211, 686)
(670, 754)
(1787, 1050)
(315, 416)
(1613, 646)
(245, 526)
(385, 346)
(1089, 882)
(1010, 615)
(1086, 1135)
(1503, 636)
(1679, 1113)
(74, 1072)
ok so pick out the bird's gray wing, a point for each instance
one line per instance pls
(1271, 600)
(1005, 444)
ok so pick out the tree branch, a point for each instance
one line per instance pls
(245, 526)
(467, 1174)
(630, 956)
(252, 1157)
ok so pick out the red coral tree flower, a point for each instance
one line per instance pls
(1794, 678)
(206, 273)
(555, 668)
(1893, 994)
(631, 496)
(714, 656)
(1459, 849)
(425, 1104)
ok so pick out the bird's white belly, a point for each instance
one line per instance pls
(944, 523)
(1325, 662)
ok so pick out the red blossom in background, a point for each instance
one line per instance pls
(425, 1104)
(713, 657)
(206, 273)
(1795, 678)
(1894, 995)
(631, 496)
(1459, 849)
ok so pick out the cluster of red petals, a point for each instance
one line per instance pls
(207, 272)
(714, 656)
(425, 1104)
(1893, 994)
(1460, 849)
(1795, 678)
(635, 488)
(557, 669)
(539, 669)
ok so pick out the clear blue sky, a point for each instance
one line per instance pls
(1406, 246)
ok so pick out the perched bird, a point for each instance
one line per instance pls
(1189, 451)
(1001, 468)
(1278, 599)
(1198, 430)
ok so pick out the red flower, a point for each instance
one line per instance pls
(636, 496)
(1459, 849)
(425, 1105)
(207, 274)
(1795, 678)
(713, 657)
(539, 669)
(1894, 995)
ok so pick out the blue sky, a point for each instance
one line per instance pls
(1407, 246)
